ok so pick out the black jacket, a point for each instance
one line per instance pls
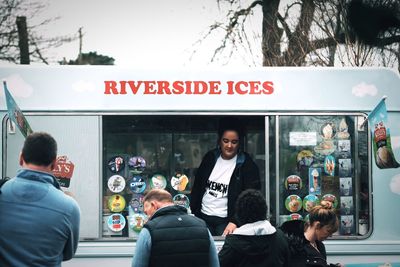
(178, 238)
(302, 253)
(266, 249)
(245, 176)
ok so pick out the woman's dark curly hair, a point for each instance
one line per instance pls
(231, 124)
(251, 207)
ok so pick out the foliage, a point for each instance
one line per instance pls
(304, 33)
(91, 58)
(38, 44)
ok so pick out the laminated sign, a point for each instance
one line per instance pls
(384, 157)
(63, 170)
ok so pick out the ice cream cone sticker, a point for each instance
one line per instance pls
(314, 181)
(179, 182)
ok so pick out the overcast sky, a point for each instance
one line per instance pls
(143, 33)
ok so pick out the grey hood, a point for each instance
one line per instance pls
(256, 228)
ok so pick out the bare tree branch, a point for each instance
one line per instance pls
(9, 35)
(311, 32)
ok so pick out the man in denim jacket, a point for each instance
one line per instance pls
(39, 224)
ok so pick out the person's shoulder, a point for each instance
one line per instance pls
(321, 246)
(65, 201)
(72, 201)
(279, 232)
(295, 227)
(281, 237)
(211, 155)
(246, 156)
(196, 219)
(246, 160)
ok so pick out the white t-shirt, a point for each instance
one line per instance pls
(215, 199)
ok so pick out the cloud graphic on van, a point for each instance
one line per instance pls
(395, 184)
(83, 86)
(17, 86)
(363, 89)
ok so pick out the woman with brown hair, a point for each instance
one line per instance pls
(305, 238)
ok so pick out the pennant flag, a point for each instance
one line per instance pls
(15, 113)
(384, 157)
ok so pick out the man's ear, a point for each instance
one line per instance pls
(53, 164)
(21, 159)
(156, 204)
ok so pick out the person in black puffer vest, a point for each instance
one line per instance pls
(172, 237)
(305, 238)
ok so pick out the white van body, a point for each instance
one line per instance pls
(69, 102)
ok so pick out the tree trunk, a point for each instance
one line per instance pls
(23, 40)
(271, 34)
(299, 41)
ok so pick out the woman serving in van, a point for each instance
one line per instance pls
(222, 175)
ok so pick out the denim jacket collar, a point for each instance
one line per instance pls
(43, 177)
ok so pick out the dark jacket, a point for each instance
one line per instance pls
(178, 238)
(255, 246)
(245, 176)
(302, 253)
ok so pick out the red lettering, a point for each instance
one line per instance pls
(188, 87)
(110, 86)
(214, 90)
(163, 86)
(254, 90)
(230, 87)
(178, 88)
(238, 89)
(149, 88)
(122, 90)
(134, 87)
(200, 87)
(268, 87)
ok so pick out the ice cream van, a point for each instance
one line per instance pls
(123, 131)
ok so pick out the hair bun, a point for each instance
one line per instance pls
(326, 204)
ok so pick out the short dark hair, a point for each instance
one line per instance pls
(230, 124)
(251, 207)
(40, 149)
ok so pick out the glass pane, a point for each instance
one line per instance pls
(318, 161)
(144, 152)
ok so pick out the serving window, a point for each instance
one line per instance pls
(324, 157)
(154, 151)
(302, 160)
